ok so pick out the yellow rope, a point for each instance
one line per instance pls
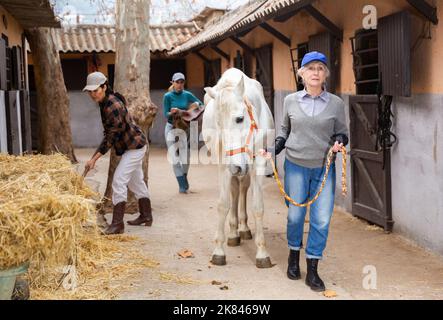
(325, 177)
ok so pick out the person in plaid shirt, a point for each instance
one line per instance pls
(129, 142)
(120, 131)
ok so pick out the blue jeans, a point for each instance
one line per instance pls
(179, 151)
(301, 184)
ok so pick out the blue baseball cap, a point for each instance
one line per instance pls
(314, 56)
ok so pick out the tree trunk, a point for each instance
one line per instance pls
(52, 97)
(132, 76)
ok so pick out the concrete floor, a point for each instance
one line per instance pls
(403, 270)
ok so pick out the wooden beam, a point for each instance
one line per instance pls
(244, 33)
(201, 56)
(276, 33)
(328, 24)
(243, 45)
(216, 43)
(286, 16)
(221, 52)
(425, 9)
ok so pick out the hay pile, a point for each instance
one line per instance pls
(47, 218)
(44, 206)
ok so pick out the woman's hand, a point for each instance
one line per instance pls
(337, 147)
(174, 110)
(193, 106)
(265, 154)
(90, 164)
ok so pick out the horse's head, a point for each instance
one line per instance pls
(233, 124)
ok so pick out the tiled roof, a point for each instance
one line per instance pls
(219, 26)
(31, 13)
(101, 38)
(254, 12)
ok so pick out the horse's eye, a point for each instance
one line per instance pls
(239, 119)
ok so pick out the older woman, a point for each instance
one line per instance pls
(313, 122)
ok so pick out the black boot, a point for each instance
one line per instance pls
(117, 226)
(293, 265)
(144, 207)
(312, 278)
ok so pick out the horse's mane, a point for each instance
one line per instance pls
(225, 83)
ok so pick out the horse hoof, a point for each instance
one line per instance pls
(235, 242)
(246, 235)
(263, 263)
(218, 260)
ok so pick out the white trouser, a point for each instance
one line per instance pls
(129, 174)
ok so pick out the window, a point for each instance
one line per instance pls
(365, 57)
(297, 55)
(111, 75)
(238, 61)
(18, 75)
(9, 84)
(75, 72)
(162, 70)
(212, 72)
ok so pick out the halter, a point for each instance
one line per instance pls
(253, 126)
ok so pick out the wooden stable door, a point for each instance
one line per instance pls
(371, 169)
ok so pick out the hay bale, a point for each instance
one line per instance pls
(47, 218)
(44, 205)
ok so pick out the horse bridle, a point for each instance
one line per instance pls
(252, 127)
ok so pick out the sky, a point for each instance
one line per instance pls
(162, 11)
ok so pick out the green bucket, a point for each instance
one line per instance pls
(7, 280)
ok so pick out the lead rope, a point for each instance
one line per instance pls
(325, 177)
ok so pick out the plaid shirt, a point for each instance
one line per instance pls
(120, 130)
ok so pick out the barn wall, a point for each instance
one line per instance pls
(417, 171)
(85, 117)
(13, 31)
(426, 78)
(15, 136)
(425, 59)
(194, 72)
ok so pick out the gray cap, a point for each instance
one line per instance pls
(178, 76)
(95, 80)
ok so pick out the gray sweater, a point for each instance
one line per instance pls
(308, 139)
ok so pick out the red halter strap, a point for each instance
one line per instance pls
(245, 148)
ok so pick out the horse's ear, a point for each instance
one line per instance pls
(211, 92)
(240, 88)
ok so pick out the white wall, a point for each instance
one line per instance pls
(417, 169)
(87, 128)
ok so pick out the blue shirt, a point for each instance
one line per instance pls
(310, 105)
(180, 100)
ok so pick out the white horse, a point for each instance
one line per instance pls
(236, 124)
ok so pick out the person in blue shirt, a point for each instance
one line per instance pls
(175, 101)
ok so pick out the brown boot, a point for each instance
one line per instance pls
(117, 226)
(144, 206)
